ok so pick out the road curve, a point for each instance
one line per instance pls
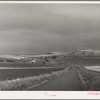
(67, 82)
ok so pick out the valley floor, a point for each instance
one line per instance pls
(72, 78)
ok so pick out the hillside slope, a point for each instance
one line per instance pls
(87, 52)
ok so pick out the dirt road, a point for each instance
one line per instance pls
(68, 81)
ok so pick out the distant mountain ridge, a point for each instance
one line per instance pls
(86, 52)
(81, 53)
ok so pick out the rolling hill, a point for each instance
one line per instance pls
(86, 53)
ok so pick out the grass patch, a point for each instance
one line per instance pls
(95, 84)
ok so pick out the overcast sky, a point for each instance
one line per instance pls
(42, 28)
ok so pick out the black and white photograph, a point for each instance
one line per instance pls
(49, 47)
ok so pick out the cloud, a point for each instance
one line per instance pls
(40, 28)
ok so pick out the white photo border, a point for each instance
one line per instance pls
(50, 94)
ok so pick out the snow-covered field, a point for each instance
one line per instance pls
(94, 68)
(30, 67)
